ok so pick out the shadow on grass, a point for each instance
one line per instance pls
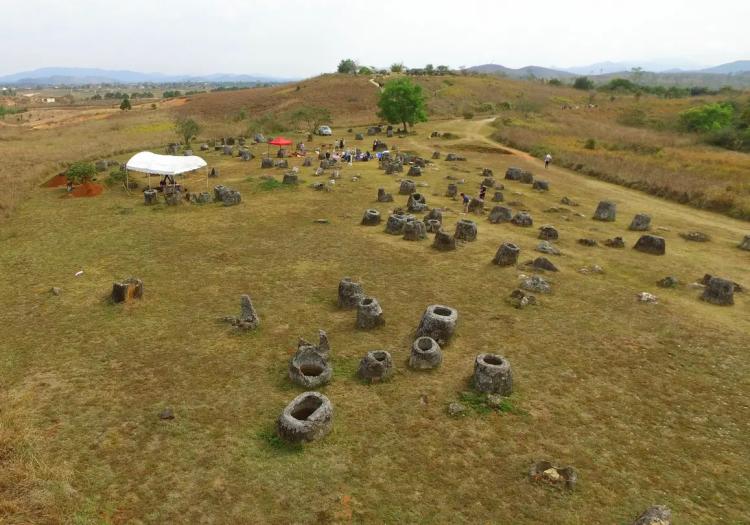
(274, 443)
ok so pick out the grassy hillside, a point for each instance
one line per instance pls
(652, 156)
(647, 402)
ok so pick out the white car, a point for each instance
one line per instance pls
(325, 131)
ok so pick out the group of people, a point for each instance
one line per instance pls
(465, 199)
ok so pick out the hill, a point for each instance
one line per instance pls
(73, 76)
(523, 72)
(739, 66)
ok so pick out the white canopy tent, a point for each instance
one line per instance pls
(154, 164)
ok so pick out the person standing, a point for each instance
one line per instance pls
(547, 160)
(465, 199)
(482, 192)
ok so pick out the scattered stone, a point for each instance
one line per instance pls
(359, 136)
(395, 224)
(523, 219)
(541, 185)
(308, 417)
(536, 283)
(668, 282)
(350, 293)
(492, 375)
(416, 203)
(439, 323)
(651, 244)
(290, 178)
(415, 171)
(745, 244)
(640, 223)
(568, 202)
(246, 155)
(307, 163)
(127, 290)
(173, 199)
(521, 299)
(719, 291)
(55, 290)
(371, 218)
(507, 254)
(205, 147)
(309, 367)
(498, 197)
(456, 409)
(500, 214)
(435, 155)
(383, 196)
(187, 153)
(548, 248)
(513, 173)
(282, 163)
(375, 366)
(259, 138)
(695, 236)
(266, 162)
(150, 197)
(605, 211)
(432, 225)
(407, 187)
(454, 157)
(488, 182)
(646, 297)
(594, 268)
(546, 472)
(487, 172)
(227, 150)
(466, 230)
(425, 354)
(588, 242)
(656, 515)
(201, 198)
(526, 178)
(444, 241)
(322, 348)
(542, 263)
(476, 205)
(282, 153)
(415, 230)
(615, 242)
(548, 233)
(166, 414)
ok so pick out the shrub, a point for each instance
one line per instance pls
(125, 104)
(634, 117)
(397, 67)
(709, 117)
(584, 83)
(590, 144)
(484, 107)
(554, 82)
(468, 115)
(347, 66)
(186, 128)
(80, 172)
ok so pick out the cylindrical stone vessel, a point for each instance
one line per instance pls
(307, 418)
(369, 314)
(350, 293)
(375, 366)
(371, 217)
(492, 375)
(425, 354)
(438, 322)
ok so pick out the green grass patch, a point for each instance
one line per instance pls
(271, 439)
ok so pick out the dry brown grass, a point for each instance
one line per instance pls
(648, 402)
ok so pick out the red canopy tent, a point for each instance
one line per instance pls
(279, 141)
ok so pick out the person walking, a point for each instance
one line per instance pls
(482, 192)
(547, 160)
(465, 199)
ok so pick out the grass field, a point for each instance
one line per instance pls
(648, 402)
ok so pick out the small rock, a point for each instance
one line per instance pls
(535, 283)
(167, 413)
(646, 297)
(588, 242)
(615, 242)
(695, 236)
(322, 221)
(456, 409)
(495, 401)
(656, 515)
(55, 290)
(548, 248)
(668, 282)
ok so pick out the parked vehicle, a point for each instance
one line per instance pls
(326, 131)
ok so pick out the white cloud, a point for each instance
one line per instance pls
(300, 38)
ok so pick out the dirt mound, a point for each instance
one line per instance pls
(87, 189)
(56, 181)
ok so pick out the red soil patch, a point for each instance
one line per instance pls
(87, 189)
(56, 181)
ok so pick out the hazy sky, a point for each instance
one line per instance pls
(295, 38)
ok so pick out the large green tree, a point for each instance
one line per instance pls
(312, 116)
(186, 128)
(347, 66)
(402, 101)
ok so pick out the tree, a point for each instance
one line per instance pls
(313, 116)
(584, 83)
(402, 101)
(186, 128)
(442, 70)
(347, 66)
(364, 70)
(709, 117)
(125, 104)
(397, 67)
(80, 172)
(429, 69)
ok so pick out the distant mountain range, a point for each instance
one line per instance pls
(608, 68)
(69, 76)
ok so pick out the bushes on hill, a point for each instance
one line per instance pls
(347, 66)
(709, 117)
(583, 83)
(80, 172)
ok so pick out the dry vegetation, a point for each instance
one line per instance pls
(648, 402)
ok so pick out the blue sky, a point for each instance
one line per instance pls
(296, 38)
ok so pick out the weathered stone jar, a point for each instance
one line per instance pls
(492, 375)
(308, 417)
